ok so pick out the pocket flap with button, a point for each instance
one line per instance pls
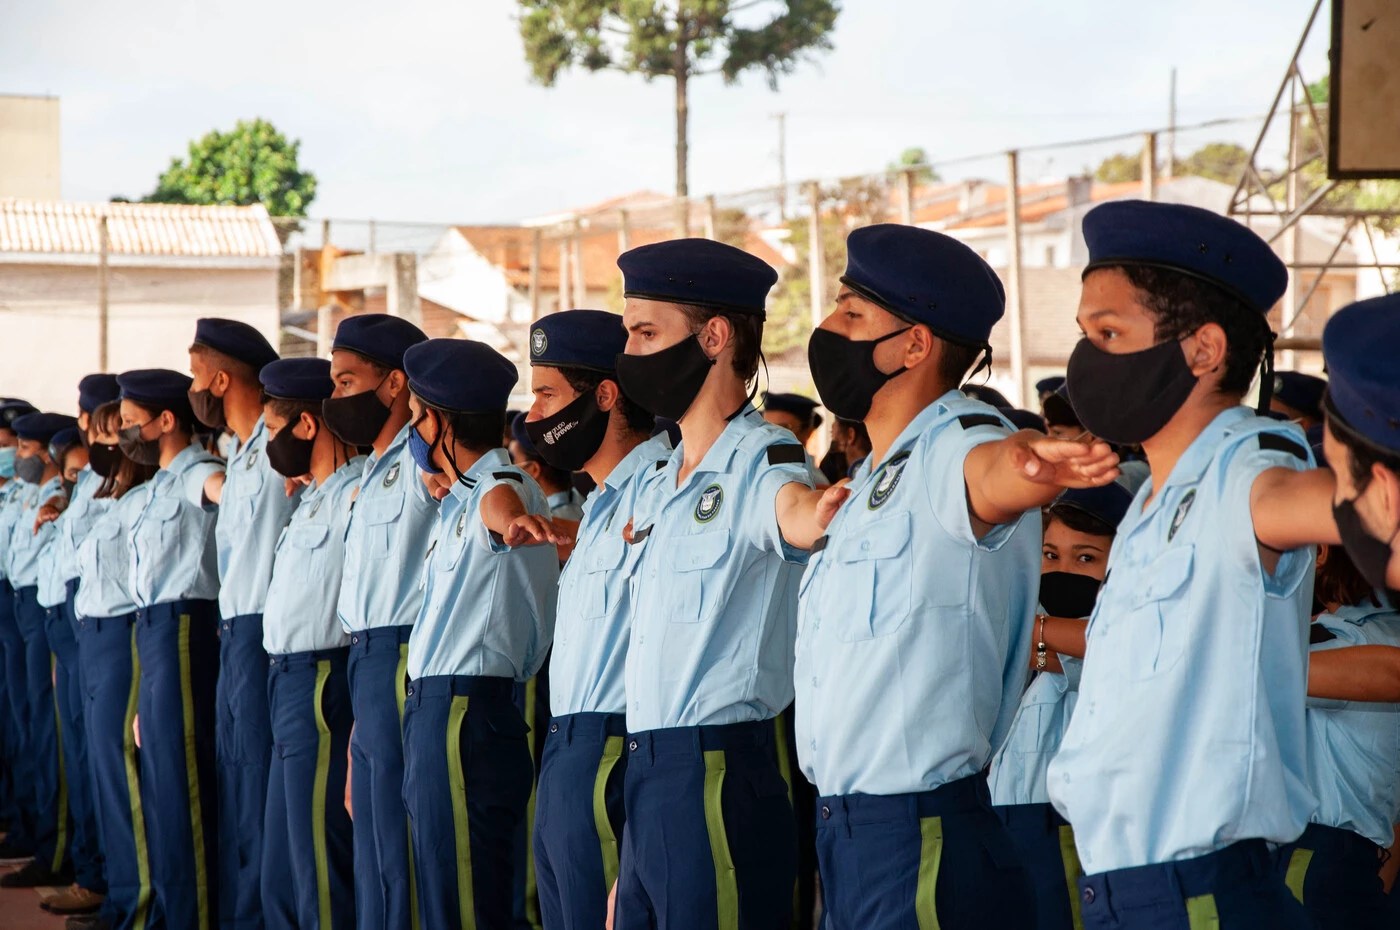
(1167, 573)
(605, 555)
(308, 535)
(106, 529)
(883, 539)
(163, 508)
(698, 552)
(380, 510)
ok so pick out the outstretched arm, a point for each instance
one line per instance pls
(1355, 673)
(1293, 508)
(1026, 471)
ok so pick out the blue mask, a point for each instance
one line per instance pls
(422, 452)
(7, 462)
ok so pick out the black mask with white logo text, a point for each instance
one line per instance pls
(569, 438)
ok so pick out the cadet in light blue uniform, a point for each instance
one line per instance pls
(111, 672)
(27, 555)
(175, 584)
(565, 502)
(307, 871)
(254, 506)
(380, 595)
(920, 593)
(1078, 533)
(18, 845)
(486, 623)
(710, 839)
(580, 421)
(1186, 755)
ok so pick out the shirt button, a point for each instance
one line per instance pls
(826, 812)
(632, 746)
(554, 728)
(814, 681)
(865, 546)
(1089, 895)
(1066, 778)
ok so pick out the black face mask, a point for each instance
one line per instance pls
(105, 459)
(68, 487)
(1065, 594)
(665, 383)
(1370, 555)
(1128, 398)
(844, 371)
(288, 455)
(141, 451)
(571, 437)
(208, 409)
(356, 420)
(30, 468)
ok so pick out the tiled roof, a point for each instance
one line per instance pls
(137, 229)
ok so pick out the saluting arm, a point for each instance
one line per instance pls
(1025, 471)
(804, 513)
(504, 514)
(1293, 508)
(1355, 673)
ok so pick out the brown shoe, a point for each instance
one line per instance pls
(75, 900)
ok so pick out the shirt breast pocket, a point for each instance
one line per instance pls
(691, 558)
(603, 558)
(308, 536)
(379, 515)
(1159, 628)
(110, 557)
(874, 580)
(165, 513)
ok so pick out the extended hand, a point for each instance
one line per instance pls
(1064, 463)
(830, 502)
(531, 529)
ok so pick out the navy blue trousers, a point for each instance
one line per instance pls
(1335, 874)
(88, 869)
(243, 753)
(111, 677)
(532, 700)
(18, 803)
(579, 818)
(1235, 888)
(1044, 842)
(52, 826)
(178, 646)
(307, 872)
(935, 858)
(385, 895)
(466, 782)
(710, 839)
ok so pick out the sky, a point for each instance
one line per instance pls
(424, 111)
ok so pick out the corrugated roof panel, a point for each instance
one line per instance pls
(164, 230)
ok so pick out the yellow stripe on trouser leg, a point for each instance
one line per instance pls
(201, 869)
(133, 793)
(930, 859)
(461, 823)
(60, 849)
(726, 881)
(1201, 913)
(612, 752)
(318, 798)
(1298, 871)
(400, 687)
(532, 897)
(1069, 855)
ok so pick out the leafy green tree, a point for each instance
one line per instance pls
(676, 39)
(915, 157)
(1219, 161)
(252, 163)
(1116, 169)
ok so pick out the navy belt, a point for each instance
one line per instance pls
(1036, 816)
(393, 635)
(288, 661)
(588, 726)
(1173, 882)
(477, 686)
(692, 741)
(1338, 842)
(965, 795)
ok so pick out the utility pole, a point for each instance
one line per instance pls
(782, 165)
(1171, 130)
(1015, 302)
(103, 247)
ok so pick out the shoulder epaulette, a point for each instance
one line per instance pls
(786, 453)
(1273, 442)
(639, 535)
(506, 476)
(969, 420)
(820, 544)
(661, 463)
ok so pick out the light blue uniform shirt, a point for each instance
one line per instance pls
(1019, 768)
(714, 594)
(913, 642)
(300, 614)
(1354, 747)
(391, 527)
(488, 610)
(104, 558)
(83, 511)
(27, 551)
(253, 509)
(9, 512)
(566, 505)
(586, 668)
(1189, 733)
(172, 536)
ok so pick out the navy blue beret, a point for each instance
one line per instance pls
(379, 337)
(925, 277)
(795, 404)
(987, 395)
(96, 390)
(1058, 410)
(62, 440)
(1024, 419)
(157, 389)
(42, 426)
(297, 379)
(1299, 391)
(698, 272)
(460, 375)
(12, 410)
(517, 432)
(235, 339)
(1363, 387)
(1050, 385)
(1190, 240)
(1108, 503)
(591, 339)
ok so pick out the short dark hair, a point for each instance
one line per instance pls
(586, 381)
(1183, 304)
(479, 432)
(955, 360)
(1077, 520)
(291, 409)
(236, 368)
(748, 335)
(1339, 582)
(184, 416)
(1363, 454)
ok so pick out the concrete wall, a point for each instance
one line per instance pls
(29, 150)
(48, 321)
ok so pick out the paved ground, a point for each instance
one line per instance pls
(19, 907)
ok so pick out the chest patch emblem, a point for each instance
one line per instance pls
(462, 524)
(710, 500)
(1179, 517)
(890, 473)
(252, 459)
(392, 476)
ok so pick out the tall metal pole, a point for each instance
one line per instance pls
(1290, 240)
(906, 197)
(782, 165)
(1171, 130)
(576, 261)
(1015, 305)
(103, 247)
(710, 209)
(816, 265)
(1149, 166)
(536, 251)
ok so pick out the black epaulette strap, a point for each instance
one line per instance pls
(1273, 442)
(639, 535)
(661, 463)
(820, 544)
(506, 476)
(786, 453)
(969, 420)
